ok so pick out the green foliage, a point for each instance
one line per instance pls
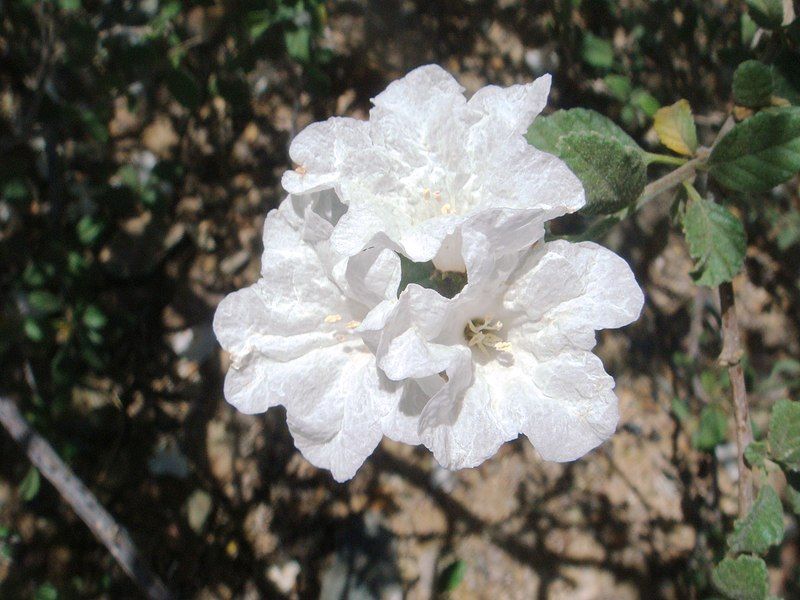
(452, 576)
(546, 132)
(742, 578)
(792, 491)
(597, 52)
(755, 454)
(762, 527)
(46, 592)
(712, 430)
(760, 152)
(30, 484)
(612, 174)
(716, 240)
(766, 13)
(752, 84)
(608, 162)
(784, 434)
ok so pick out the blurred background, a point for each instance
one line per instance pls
(141, 146)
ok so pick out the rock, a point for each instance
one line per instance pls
(257, 525)
(235, 262)
(198, 508)
(284, 577)
(160, 138)
(168, 460)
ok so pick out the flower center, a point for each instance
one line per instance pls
(481, 332)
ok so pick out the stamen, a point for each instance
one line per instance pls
(426, 193)
(447, 209)
(353, 324)
(300, 170)
(333, 318)
(437, 196)
(481, 332)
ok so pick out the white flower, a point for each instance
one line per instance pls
(431, 171)
(514, 354)
(292, 338)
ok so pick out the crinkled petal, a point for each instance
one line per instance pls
(507, 111)
(336, 406)
(319, 151)
(568, 291)
(458, 424)
(373, 275)
(572, 407)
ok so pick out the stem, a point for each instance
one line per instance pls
(666, 159)
(731, 357)
(83, 502)
(672, 179)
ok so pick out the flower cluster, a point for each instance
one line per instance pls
(406, 289)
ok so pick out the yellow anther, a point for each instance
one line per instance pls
(300, 170)
(333, 318)
(447, 209)
(426, 193)
(353, 324)
(503, 346)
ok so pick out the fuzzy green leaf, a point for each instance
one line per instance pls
(613, 174)
(793, 491)
(760, 152)
(762, 527)
(784, 434)
(767, 13)
(30, 484)
(597, 52)
(742, 578)
(545, 132)
(716, 239)
(755, 454)
(712, 429)
(752, 84)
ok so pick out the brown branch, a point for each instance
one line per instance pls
(731, 357)
(113, 536)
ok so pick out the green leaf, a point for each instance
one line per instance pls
(612, 174)
(716, 240)
(44, 301)
(597, 52)
(298, 44)
(755, 454)
(545, 132)
(645, 101)
(33, 330)
(619, 86)
(767, 13)
(760, 152)
(792, 491)
(742, 578)
(675, 127)
(784, 434)
(452, 576)
(752, 84)
(712, 429)
(748, 29)
(46, 592)
(681, 410)
(30, 484)
(94, 318)
(89, 230)
(762, 527)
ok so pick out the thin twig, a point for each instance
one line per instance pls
(731, 357)
(113, 536)
(670, 180)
